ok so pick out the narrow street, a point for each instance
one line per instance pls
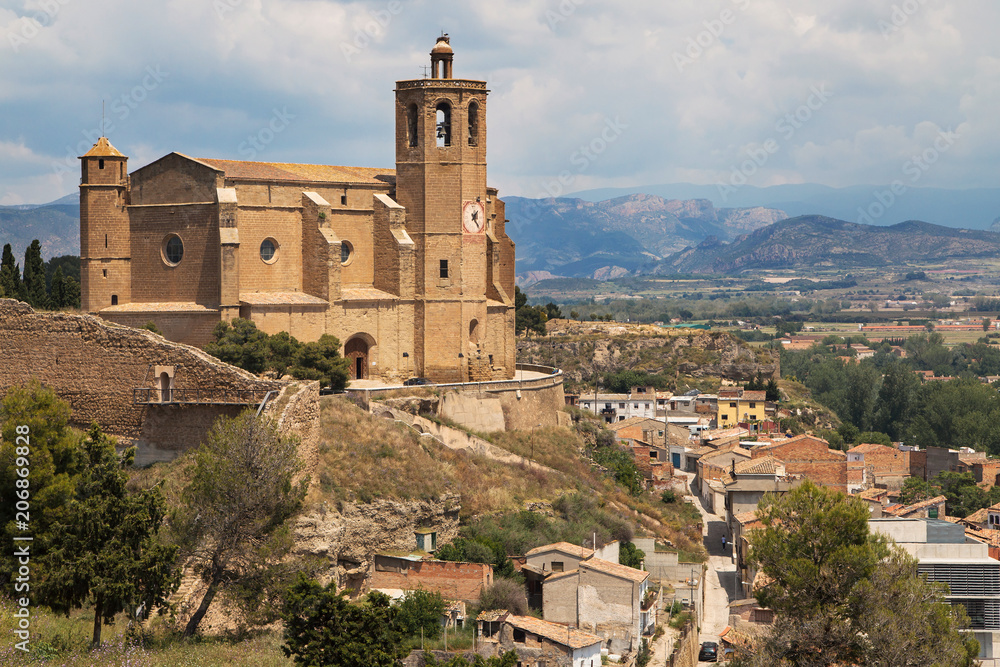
(720, 577)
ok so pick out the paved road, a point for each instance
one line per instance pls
(720, 577)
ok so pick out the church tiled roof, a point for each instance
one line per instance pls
(284, 171)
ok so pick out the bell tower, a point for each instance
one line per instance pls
(441, 181)
(105, 242)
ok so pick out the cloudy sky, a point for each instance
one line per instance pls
(585, 93)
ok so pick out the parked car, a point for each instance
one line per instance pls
(709, 652)
(416, 382)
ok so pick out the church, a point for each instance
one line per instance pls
(410, 268)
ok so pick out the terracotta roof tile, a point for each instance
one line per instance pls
(159, 307)
(286, 171)
(103, 148)
(870, 447)
(560, 634)
(767, 465)
(614, 569)
(565, 547)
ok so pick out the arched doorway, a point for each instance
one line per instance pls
(164, 387)
(356, 351)
(474, 332)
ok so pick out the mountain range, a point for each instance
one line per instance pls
(56, 225)
(813, 241)
(574, 237)
(971, 208)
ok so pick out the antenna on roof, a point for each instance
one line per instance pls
(426, 69)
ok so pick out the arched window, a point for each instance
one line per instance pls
(411, 125)
(473, 124)
(443, 124)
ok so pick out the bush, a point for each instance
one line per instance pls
(504, 594)
(668, 497)
(420, 610)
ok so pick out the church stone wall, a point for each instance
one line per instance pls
(284, 225)
(196, 278)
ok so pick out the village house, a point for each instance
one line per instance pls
(537, 643)
(747, 482)
(579, 588)
(872, 464)
(454, 581)
(711, 468)
(933, 508)
(737, 405)
(809, 457)
(639, 402)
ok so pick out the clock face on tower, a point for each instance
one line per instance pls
(473, 217)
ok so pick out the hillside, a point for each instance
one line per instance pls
(687, 358)
(816, 241)
(55, 225)
(573, 237)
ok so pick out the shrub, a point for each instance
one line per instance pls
(504, 594)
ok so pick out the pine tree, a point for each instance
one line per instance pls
(107, 550)
(34, 276)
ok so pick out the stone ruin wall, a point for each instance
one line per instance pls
(94, 365)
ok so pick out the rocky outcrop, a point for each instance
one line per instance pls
(702, 354)
(348, 536)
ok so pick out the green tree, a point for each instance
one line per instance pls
(896, 399)
(552, 311)
(10, 275)
(504, 594)
(241, 344)
(34, 276)
(56, 459)
(106, 551)
(630, 555)
(843, 595)
(916, 490)
(419, 612)
(874, 437)
(323, 628)
(242, 490)
(321, 360)
(57, 292)
(772, 392)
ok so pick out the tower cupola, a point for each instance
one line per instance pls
(441, 58)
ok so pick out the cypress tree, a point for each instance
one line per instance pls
(34, 276)
(57, 292)
(10, 274)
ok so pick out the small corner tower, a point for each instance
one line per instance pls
(441, 180)
(105, 244)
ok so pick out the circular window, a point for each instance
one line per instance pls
(346, 252)
(173, 250)
(269, 251)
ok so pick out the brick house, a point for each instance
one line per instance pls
(809, 457)
(454, 581)
(872, 464)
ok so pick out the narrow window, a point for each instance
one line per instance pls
(444, 268)
(105, 240)
(105, 272)
(100, 163)
(411, 124)
(443, 125)
(114, 299)
(473, 124)
(343, 200)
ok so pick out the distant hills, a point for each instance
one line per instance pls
(607, 239)
(818, 241)
(56, 225)
(972, 208)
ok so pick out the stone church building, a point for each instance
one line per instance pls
(410, 268)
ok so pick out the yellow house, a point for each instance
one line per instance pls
(740, 406)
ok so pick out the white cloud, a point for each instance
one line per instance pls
(557, 68)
